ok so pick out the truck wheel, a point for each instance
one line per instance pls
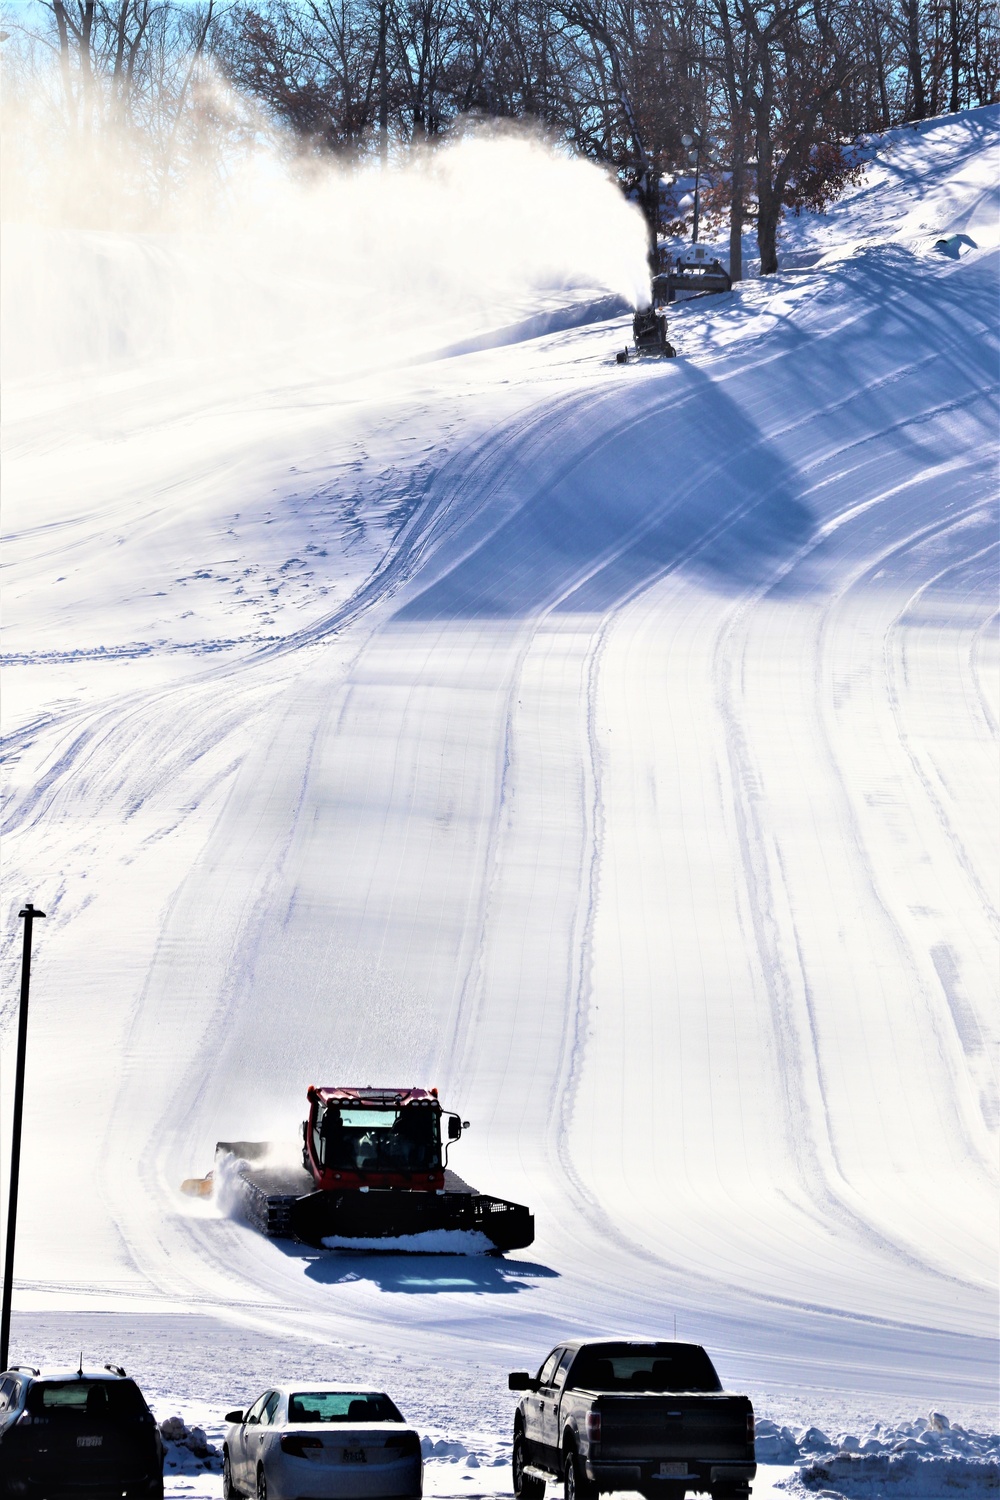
(576, 1485)
(526, 1487)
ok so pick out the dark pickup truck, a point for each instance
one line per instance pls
(651, 1417)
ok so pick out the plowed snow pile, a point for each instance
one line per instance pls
(614, 749)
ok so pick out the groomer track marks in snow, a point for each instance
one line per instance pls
(638, 790)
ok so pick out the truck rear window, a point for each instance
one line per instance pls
(643, 1367)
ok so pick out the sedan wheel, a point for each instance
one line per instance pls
(229, 1490)
(261, 1483)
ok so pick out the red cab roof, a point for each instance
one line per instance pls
(372, 1098)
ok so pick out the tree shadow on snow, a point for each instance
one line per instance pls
(419, 1274)
(675, 475)
(705, 471)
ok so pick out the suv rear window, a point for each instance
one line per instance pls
(643, 1367)
(90, 1400)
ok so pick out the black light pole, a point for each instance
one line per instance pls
(29, 914)
(694, 159)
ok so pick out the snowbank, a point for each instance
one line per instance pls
(932, 1436)
(926, 1457)
(902, 1474)
(187, 1450)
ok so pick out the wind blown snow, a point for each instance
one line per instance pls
(293, 270)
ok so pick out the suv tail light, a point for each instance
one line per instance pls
(407, 1442)
(594, 1426)
(297, 1443)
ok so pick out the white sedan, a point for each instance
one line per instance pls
(324, 1442)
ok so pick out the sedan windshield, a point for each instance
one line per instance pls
(643, 1367)
(341, 1406)
(378, 1140)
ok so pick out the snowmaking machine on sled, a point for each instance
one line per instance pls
(649, 327)
(694, 271)
(374, 1175)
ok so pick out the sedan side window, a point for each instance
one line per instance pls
(254, 1414)
(547, 1371)
(271, 1406)
(6, 1391)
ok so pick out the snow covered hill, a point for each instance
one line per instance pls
(613, 748)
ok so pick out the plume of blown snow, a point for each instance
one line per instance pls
(291, 268)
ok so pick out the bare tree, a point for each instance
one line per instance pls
(782, 85)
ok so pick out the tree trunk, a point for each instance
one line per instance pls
(936, 64)
(768, 197)
(62, 26)
(86, 31)
(735, 95)
(914, 62)
(737, 190)
(383, 81)
(768, 218)
(883, 90)
(953, 103)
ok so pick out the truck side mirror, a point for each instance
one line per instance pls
(519, 1380)
(454, 1127)
(236, 1417)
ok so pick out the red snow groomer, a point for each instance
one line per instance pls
(374, 1175)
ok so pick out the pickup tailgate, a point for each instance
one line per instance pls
(664, 1427)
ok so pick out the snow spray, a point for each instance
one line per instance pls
(295, 266)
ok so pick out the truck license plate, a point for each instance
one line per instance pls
(355, 1456)
(89, 1442)
(673, 1470)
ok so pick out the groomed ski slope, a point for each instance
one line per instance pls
(613, 748)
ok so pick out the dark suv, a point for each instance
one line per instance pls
(77, 1433)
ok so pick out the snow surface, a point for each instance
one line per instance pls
(612, 748)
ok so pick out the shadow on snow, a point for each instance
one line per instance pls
(418, 1274)
(727, 471)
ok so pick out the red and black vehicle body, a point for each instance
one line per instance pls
(348, 1141)
(374, 1169)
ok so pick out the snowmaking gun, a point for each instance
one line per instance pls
(649, 327)
(374, 1169)
(693, 270)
